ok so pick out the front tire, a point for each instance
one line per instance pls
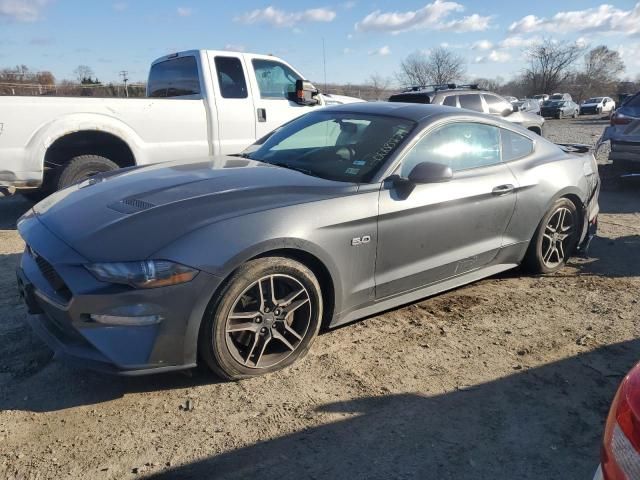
(265, 318)
(555, 238)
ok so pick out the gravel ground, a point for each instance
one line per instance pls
(510, 377)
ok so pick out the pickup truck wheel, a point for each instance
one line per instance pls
(82, 167)
(266, 317)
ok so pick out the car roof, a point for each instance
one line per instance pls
(409, 111)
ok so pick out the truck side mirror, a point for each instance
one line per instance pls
(305, 93)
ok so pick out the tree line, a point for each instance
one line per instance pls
(551, 67)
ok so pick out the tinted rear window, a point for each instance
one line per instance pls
(633, 101)
(231, 77)
(410, 98)
(174, 78)
(451, 101)
(472, 102)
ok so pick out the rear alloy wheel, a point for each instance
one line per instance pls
(555, 239)
(267, 317)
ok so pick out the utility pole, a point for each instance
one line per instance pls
(124, 74)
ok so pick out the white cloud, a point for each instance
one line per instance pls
(120, 6)
(482, 45)
(605, 18)
(235, 48)
(22, 10)
(518, 41)
(496, 56)
(184, 11)
(381, 52)
(348, 5)
(281, 18)
(433, 16)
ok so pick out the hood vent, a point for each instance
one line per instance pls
(131, 205)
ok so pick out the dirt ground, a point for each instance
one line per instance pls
(508, 378)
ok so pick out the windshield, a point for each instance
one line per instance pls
(556, 97)
(346, 147)
(554, 103)
(594, 100)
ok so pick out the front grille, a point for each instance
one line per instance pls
(50, 274)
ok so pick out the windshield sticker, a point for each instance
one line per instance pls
(359, 162)
(352, 171)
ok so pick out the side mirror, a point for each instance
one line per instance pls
(508, 111)
(429, 172)
(305, 93)
(516, 108)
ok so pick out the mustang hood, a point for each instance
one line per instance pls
(152, 206)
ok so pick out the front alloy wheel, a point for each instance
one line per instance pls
(265, 317)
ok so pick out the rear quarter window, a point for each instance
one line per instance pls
(514, 145)
(176, 77)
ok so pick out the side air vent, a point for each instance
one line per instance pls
(131, 205)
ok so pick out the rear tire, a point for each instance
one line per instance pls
(80, 168)
(245, 334)
(555, 238)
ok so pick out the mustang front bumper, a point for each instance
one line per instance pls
(61, 295)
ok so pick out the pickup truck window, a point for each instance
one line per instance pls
(275, 80)
(176, 77)
(231, 77)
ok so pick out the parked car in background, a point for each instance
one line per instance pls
(620, 452)
(561, 96)
(624, 135)
(541, 98)
(200, 102)
(529, 105)
(471, 98)
(597, 106)
(237, 261)
(559, 109)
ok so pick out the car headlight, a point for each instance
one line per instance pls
(143, 274)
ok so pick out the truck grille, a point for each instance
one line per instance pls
(50, 274)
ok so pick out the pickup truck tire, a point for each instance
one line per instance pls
(80, 168)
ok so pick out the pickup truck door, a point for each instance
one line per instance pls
(234, 122)
(272, 81)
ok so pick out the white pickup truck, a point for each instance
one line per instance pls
(199, 102)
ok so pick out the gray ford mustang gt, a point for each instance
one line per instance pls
(238, 261)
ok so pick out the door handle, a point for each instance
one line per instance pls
(502, 189)
(262, 114)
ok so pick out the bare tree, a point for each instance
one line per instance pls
(550, 65)
(438, 67)
(600, 74)
(379, 85)
(83, 73)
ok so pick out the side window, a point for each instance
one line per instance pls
(451, 101)
(458, 145)
(514, 145)
(275, 80)
(496, 105)
(471, 101)
(231, 77)
(174, 78)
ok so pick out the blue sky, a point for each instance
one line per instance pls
(361, 37)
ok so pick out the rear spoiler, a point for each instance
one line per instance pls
(577, 148)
